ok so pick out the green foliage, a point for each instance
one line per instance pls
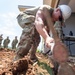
(46, 67)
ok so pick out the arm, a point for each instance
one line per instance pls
(39, 24)
(50, 24)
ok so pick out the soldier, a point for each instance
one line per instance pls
(14, 43)
(34, 23)
(6, 42)
(1, 38)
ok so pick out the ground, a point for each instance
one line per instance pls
(24, 66)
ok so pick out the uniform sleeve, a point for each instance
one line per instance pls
(44, 6)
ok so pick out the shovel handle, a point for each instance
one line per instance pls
(50, 25)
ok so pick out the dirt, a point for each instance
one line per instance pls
(24, 66)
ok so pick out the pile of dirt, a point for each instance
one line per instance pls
(24, 66)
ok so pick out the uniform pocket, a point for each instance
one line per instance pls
(23, 19)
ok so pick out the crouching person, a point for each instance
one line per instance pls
(34, 23)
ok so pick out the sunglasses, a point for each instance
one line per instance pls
(60, 17)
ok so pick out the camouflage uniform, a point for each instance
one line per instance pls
(6, 42)
(1, 38)
(14, 43)
(58, 28)
(30, 38)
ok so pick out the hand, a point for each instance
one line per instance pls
(48, 41)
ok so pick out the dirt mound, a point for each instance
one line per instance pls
(24, 66)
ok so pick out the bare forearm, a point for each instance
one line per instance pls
(42, 31)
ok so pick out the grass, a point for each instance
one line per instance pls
(46, 67)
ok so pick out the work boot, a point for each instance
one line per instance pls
(33, 58)
(17, 57)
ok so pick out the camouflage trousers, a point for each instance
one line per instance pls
(5, 45)
(0, 44)
(13, 46)
(29, 39)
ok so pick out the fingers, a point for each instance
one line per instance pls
(48, 45)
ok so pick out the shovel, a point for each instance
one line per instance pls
(59, 50)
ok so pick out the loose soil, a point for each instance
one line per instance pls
(24, 66)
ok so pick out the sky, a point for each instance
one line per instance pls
(8, 13)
